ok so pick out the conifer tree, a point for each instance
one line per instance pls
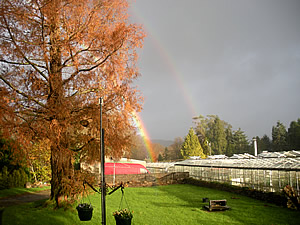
(279, 137)
(293, 135)
(191, 146)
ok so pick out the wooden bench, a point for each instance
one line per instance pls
(217, 205)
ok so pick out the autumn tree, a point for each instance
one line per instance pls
(7, 158)
(138, 149)
(156, 149)
(175, 148)
(58, 57)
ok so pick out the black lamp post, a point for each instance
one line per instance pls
(102, 159)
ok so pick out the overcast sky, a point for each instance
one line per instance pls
(238, 59)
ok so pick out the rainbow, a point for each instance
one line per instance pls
(169, 62)
(167, 58)
(144, 134)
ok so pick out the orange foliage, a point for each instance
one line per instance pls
(57, 58)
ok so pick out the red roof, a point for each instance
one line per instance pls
(124, 168)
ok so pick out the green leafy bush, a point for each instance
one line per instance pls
(15, 178)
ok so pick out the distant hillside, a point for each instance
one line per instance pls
(165, 143)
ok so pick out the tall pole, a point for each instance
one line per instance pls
(102, 159)
(255, 146)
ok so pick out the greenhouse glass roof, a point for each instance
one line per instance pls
(266, 160)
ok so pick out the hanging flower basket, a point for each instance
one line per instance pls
(123, 217)
(85, 211)
(123, 221)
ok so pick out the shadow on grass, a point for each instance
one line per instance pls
(256, 212)
(19, 191)
(191, 196)
(37, 213)
(174, 204)
(24, 198)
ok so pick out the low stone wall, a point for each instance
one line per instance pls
(146, 179)
(173, 178)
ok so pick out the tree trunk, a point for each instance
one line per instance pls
(61, 158)
(62, 171)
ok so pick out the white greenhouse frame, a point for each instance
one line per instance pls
(268, 175)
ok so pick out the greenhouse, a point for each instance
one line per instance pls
(269, 172)
(161, 167)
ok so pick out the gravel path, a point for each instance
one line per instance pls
(24, 198)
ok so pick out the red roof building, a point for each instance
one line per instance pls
(124, 168)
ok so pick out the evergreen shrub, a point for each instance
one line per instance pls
(15, 178)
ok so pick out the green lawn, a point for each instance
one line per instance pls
(18, 191)
(173, 204)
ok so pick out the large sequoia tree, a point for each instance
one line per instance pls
(57, 58)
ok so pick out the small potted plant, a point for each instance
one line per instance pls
(123, 217)
(85, 211)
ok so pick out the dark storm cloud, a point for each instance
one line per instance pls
(238, 59)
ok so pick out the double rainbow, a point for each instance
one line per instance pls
(177, 76)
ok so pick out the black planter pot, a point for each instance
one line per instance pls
(85, 214)
(123, 221)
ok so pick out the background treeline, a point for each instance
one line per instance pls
(139, 150)
(217, 137)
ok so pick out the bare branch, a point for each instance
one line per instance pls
(73, 56)
(91, 68)
(19, 50)
(21, 93)
(43, 36)
(20, 63)
(84, 92)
